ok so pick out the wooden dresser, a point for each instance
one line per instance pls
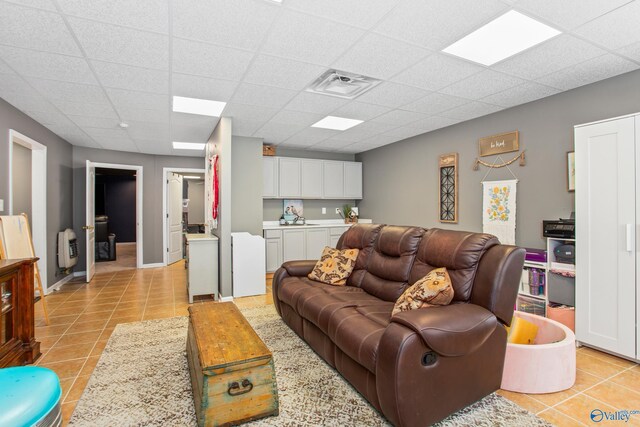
(17, 329)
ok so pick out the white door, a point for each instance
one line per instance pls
(288, 177)
(174, 218)
(90, 221)
(293, 245)
(270, 177)
(311, 172)
(333, 179)
(605, 237)
(637, 129)
(316, 240)
(353, 180)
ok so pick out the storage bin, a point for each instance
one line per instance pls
(561, 289)
(531, 305)
(563, 314)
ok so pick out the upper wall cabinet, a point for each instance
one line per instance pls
(288, 177)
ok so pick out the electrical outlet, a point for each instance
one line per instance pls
(324, 211)
(338, 211)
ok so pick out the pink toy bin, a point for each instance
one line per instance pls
(546, 366)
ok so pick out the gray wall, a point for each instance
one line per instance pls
(401, 179)
(272, 208)
(153, 183)
(195, 194)
(246, 185)
(21, 179)
(59, 177)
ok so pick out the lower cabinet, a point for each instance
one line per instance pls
(293, 244)
(334, 235)
(317, 239)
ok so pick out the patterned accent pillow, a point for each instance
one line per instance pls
(335, 266)
(433, 289)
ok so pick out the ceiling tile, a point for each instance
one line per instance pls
(359, 13)
(379, 57)
(118, 144)
(4, 68)
(113, 43)
(435, 24)
(471, 111)
(95, 122)
(360, 111)
(632, 51)
(132, 99)
(479, 85)
(238, 23)
(243, 127)
(98, 133)
(148, 131)
(151, 15)
(437, 71)
(207, 60)
(85, 109)
(522, 94)
(49, 116)
(198, 133)
(132, 78)
(277, 132)
(249, 112)
(66, 91)
(296, 118)
(157, 147)
(266, 96)
(80, 139)
(38, 4)
(392, 95)
(399, 117)
(15, 83)
(616, 29)
(280, 72)
(590, 71)
(432, 123)
(26, 103)
(314, 103)
(202, 87)
(308, 38)
(569, 14)
(24, 27)
(310, 136)
(553, 55)
(141, 115)
(435, 103)
(47, 65)
(332, 144)
(364, 130)
(404, 132)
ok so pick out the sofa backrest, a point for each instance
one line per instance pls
(458, 251)
(389, 265)
(361, 237)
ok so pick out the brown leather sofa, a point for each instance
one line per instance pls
(420, 366)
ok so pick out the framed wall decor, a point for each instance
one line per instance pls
(498, 144)
(571, 171)
(448, 182)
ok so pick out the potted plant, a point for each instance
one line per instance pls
(348, 214)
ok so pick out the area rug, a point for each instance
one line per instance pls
(142, 379)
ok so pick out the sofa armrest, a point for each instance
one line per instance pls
(452, 330)
(299, 268)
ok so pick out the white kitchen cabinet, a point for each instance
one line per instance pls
(607, 160)
(273, 249)
(293, 244)
(353, 180)
(202, 265)
(289, 179)
(334, 235)
(333, 179)
(269, 177)
(311, 174)
(316, 240)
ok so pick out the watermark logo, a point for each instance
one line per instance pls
(598, 415)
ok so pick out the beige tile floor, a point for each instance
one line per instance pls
(84, 315)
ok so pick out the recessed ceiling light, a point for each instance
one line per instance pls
(123, 125)
(204, 107)
(191, 177)
(336, 123)
(501, 38)
(188, 145)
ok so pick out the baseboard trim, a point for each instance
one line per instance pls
(56, 286)
(153, 265)
(225, 299)
(79, 273)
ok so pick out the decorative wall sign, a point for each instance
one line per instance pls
(448, 168)
(571, 171)
(498, 144)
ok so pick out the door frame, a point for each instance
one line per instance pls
(139, 205)
(38, 220)
(165, 176)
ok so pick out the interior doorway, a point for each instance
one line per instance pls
(183, 210)
(114, 218)
(28, 190)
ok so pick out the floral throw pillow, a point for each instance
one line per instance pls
(335, 266)
(433, 289)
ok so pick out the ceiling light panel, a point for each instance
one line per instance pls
(501, 38)
(202, 107)
(336, 123)
(188, 145)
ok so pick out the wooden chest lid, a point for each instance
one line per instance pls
(224, 338)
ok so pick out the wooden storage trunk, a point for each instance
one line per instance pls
(231, 369)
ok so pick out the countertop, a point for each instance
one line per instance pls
(317, 223)
(199, 237)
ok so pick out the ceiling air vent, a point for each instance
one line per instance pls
(342, 84)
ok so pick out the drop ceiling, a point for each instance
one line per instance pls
(81, 67)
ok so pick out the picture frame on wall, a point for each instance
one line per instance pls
(571, 171)
(448, 188)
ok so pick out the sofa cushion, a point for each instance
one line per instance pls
(334, 266)
(362, 237)
(458, 251)
(433, 289)
(387, 272)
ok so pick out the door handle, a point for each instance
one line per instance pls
(630, 237)
(88, 227)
